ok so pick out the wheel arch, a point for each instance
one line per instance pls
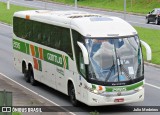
(70, 81)
(30, 66)
(24, 66)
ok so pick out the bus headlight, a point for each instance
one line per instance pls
(95, 91)
(139, 88)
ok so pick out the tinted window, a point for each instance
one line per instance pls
(78, 53)
(42, 33)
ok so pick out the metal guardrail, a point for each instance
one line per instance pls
(148, 50)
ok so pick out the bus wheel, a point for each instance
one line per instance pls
(32, 80)
(27, 76)
(72, 95)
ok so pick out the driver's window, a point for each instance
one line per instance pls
(82, 65)
(77, 37)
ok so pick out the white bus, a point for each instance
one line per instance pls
(92, 58)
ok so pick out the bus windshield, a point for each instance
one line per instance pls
(114, 59)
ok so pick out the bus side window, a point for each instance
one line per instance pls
(21, 28)
(78, 53)
(46, 34)
(58, 38)
(37, 36)
(82, 65)
(28, 29)
(16, 26)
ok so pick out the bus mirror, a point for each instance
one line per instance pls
(84, 52)
(148, 50)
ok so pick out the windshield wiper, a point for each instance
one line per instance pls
(124, 70)
(111, 69)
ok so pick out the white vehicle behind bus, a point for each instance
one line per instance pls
(94, 59)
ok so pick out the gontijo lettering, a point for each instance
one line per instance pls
(54, 58)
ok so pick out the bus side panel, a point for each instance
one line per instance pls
(49, 75)
(64, 74)
(17, 60)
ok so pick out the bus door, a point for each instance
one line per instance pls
(60, 78)
(50, 75)
(81, 94)
(48, 69)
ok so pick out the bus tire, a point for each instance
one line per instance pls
(32, 80)
(24, 68)
(27, 76)
(72, 95)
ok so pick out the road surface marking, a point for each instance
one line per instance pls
(152, 85)
(5, 24)
(36, 93)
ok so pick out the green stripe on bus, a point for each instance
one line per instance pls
(67, 65)
(27, 49)
(49, 56)
(93, 87)
(123, 88)
(36, 51)
(18, 45)
(55, 58)
(40, 65)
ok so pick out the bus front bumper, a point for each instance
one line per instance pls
(101, 100)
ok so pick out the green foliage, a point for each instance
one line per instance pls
(16, 113)
(7, 15)
(152, 37)
(94, 113)
(137, 6)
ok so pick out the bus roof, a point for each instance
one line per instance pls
(87, 24)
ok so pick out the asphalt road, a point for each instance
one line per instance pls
(135, 20)
(152, 74)
(152, 93)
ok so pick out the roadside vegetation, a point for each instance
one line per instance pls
(136, 6)
(16, 113)
(150, 36)
(6, 15)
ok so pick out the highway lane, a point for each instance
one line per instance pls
(135, 20)
(7, 68)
